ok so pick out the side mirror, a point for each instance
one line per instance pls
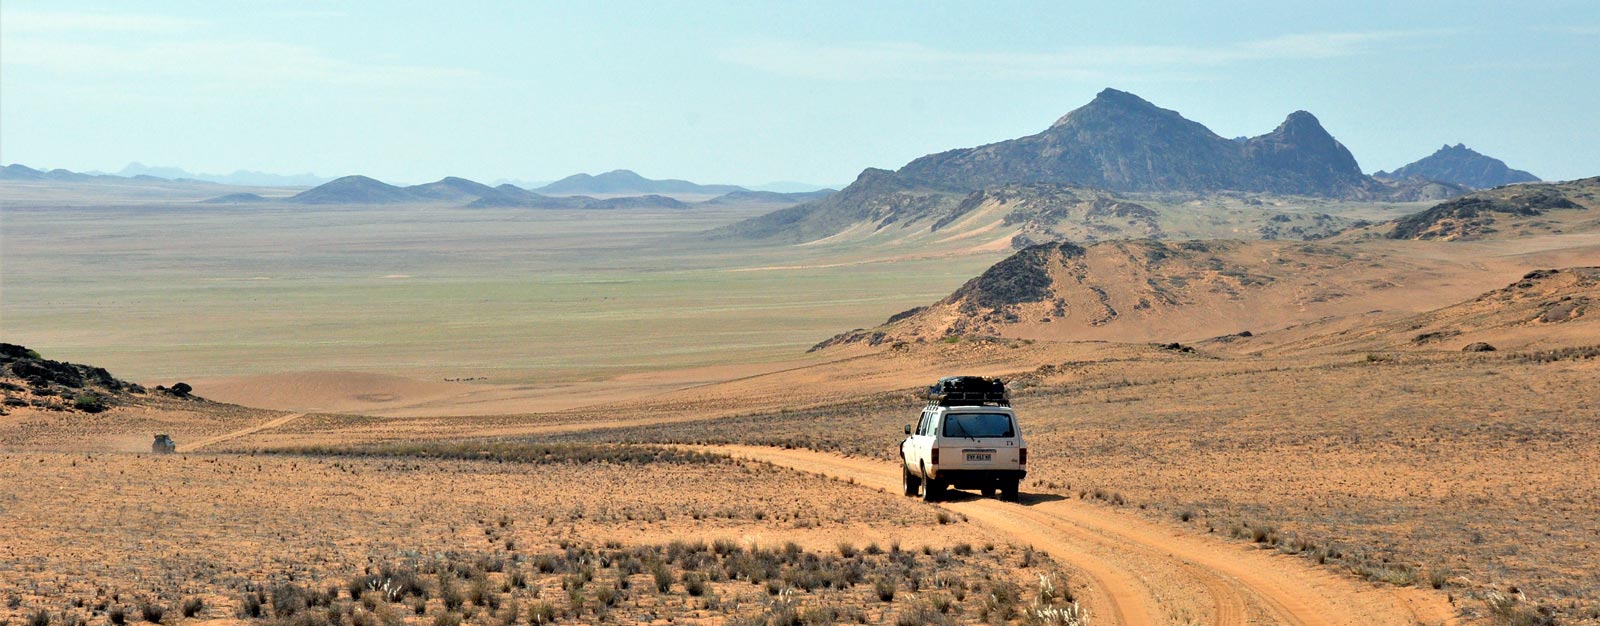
(908, 429)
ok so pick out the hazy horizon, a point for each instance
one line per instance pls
(738, 94)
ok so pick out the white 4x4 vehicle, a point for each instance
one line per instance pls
(967, 438)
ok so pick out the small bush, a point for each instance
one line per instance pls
(451, 596)
(39, 618)
(662, 575)
(191, 606)
(541, 613)
(250, 606)
(117, 615)
(152, 612)
(885, 586)
(447, 618)
(694, 583)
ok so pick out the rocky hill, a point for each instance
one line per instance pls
(30, 381)
(1118, 143)
(626, 182)
(1461, 165)
(1513, 211)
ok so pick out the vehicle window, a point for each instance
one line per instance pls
(922, 426)
(979, 425)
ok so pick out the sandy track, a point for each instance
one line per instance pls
(1138, 569)
(273, 423)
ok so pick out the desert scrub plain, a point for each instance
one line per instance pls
(484, 533)
(1470, 473)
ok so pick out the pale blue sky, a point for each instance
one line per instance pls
(742, 92)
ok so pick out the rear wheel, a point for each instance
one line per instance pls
(931, 489)
(1008, 490)
(909, 481)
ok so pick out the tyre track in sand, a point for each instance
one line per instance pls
(1121, 554)
(273, 423)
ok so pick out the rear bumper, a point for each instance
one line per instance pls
(976, 478)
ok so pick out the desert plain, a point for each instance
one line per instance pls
(433, 415)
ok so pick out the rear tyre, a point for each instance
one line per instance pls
(1008, 490)
(931, 489)
(909, 481)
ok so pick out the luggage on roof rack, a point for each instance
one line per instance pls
(969, 391)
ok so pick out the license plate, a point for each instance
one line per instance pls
(980, 457)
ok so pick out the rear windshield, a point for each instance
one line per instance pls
(979, 425)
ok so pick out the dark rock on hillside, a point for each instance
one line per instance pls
(1021, 277)
(1468, 216)
(1461, 165)
(24, 364)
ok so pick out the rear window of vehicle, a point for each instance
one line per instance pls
(977, 425)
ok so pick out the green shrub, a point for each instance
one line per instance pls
(89, 402)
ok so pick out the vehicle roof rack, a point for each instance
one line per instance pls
(969, 391)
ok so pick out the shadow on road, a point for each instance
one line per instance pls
(1025, 499)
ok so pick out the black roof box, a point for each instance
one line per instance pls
(969, 391)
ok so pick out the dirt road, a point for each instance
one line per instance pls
(273, 423)
(1143, 573)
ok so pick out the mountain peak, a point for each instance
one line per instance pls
(1111, 101)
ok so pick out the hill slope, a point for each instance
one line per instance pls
(1545, 309)
(1155, 291)
(1463, 166)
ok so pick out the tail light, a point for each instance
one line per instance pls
(935, 456)
(1022, 456)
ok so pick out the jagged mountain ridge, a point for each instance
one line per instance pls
(1120, 142)
(1461, 165)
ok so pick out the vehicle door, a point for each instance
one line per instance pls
(921, 441)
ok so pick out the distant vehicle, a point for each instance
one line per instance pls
(967, 438)
(163, 445)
